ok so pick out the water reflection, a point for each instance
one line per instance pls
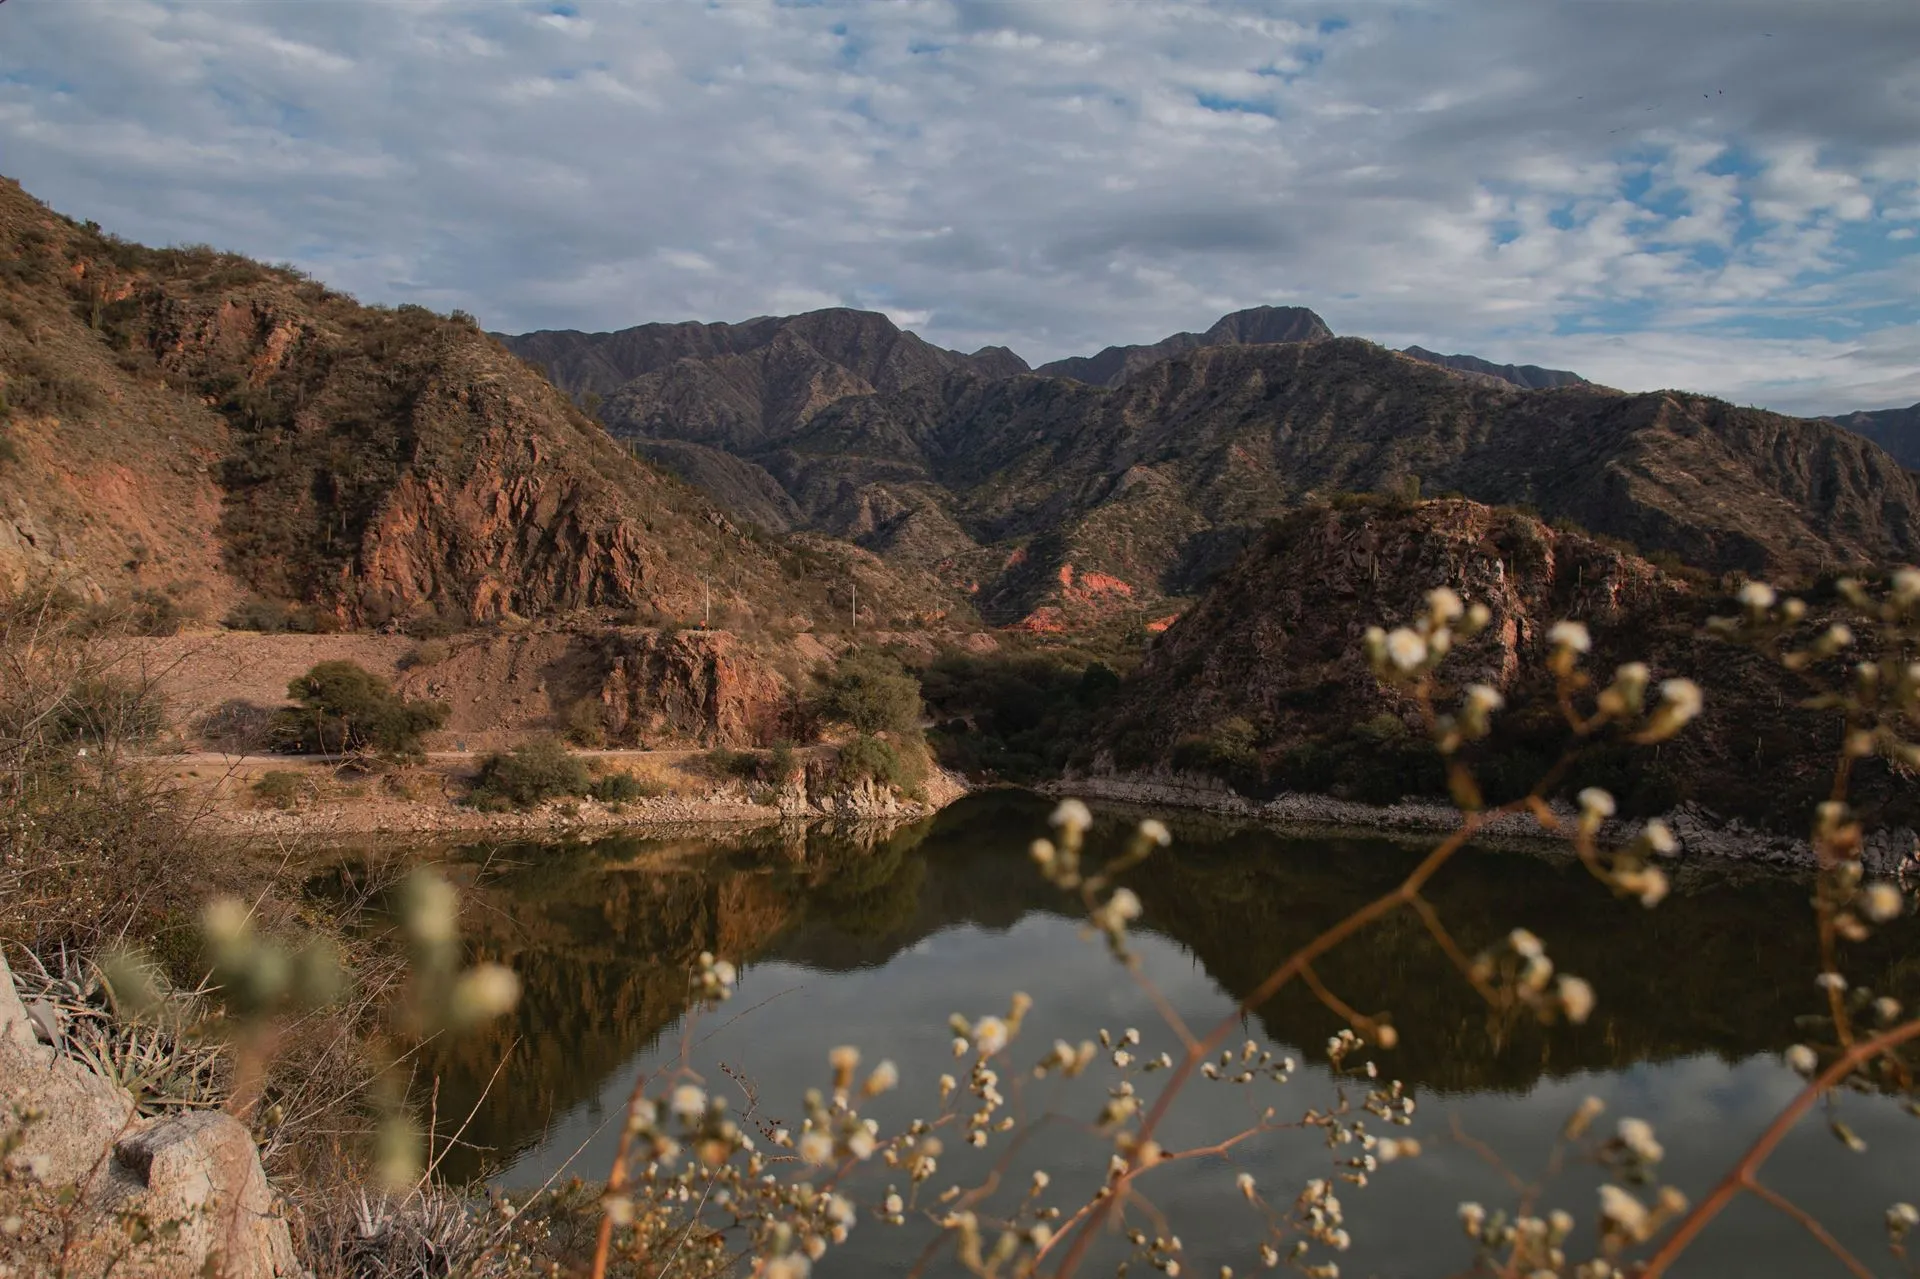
(874, 938)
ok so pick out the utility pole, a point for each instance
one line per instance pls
(856, 603)
(708, 583)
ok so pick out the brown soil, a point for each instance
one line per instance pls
(220, 686)
(423, 798)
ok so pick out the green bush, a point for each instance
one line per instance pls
(869, 758)
(782, 762)
(619, 788)
(869, 691)
(280, 789)
(1229, 751)
(343, 708)
(530, 774)
(744, 765)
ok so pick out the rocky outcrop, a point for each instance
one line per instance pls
(1530, 376)
(699, 685)
(1698, 832)
(191, 1181)
(1263, 683)
(1260, 324)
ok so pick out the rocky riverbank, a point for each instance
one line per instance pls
(428, 803)
(1700, 833)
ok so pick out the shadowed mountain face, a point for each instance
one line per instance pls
(1260, 683)
(1243, 328)
(1530, 376)
(1895, 430)
(1055, 504)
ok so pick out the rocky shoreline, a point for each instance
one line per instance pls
(727, 806)
(1701, 834)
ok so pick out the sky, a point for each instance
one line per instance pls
(1715, 195)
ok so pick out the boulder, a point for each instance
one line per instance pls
(174, 1195)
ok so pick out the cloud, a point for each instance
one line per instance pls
(1671, 193)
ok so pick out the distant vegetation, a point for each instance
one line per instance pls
(1017, 716)
(870, 691)
(544, 769)
(344, 708)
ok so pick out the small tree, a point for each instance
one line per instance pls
(531, 774)
(871, 692)
(345, 708)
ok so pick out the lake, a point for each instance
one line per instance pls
(872, 940)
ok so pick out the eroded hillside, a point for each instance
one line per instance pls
(198, 425)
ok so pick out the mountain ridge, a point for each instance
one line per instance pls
(196, 425)
(1057, 504)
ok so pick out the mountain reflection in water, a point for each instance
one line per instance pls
(874, 939)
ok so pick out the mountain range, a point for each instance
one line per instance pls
(1895, 430)
(192, 423)
(1112, 487)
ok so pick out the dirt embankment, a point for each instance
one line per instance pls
(309, 796)
(661, 700)
(647, 688)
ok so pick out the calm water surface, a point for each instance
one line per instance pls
(875, 942)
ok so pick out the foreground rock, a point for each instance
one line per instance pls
(177, 1195)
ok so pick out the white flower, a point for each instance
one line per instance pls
(1525, 944)
(1571, 635)
(1881, 901)
(1622, 1209)
(885, 1076)
(816, 1147)
(484, 992)
(1802, 1060)
(1484, 699)
(1659, 837)
(1156, 832)
(1830, 981)
(1682, 698)
(1072, 815)
(1576, 999)
(1472, 1218)
(1757, 596)
(1245, 1183)
(688, 1102)
(1903, 1216)
(1405, 649)
(1595, 802)
(1444, 603)
(990, 1034)
(1637, 1135)
(1124, 904)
